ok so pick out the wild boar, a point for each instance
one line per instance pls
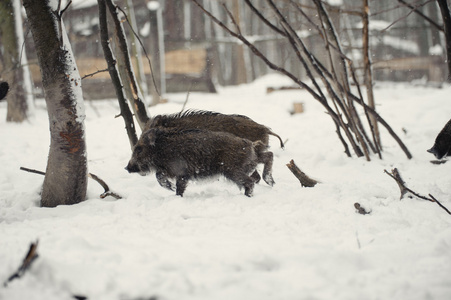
(238, 125)
(195, 154)
(4, 87)
(442, 145)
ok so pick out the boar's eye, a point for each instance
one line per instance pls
(138, 149)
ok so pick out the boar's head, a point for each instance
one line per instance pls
(141, 161)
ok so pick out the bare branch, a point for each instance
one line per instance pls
(301, 176)
(94, 73)
(30, 257)
(404, 189)
(106, 193)
(397, 177)
(32, 171)
(415, 9)
(64, 9)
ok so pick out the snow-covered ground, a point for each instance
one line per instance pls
(286, 242)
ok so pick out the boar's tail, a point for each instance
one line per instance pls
(277, 136)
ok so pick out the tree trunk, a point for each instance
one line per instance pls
(136, 52)
(127, 74)
(66, 175)
(446, 17)
(16, 71)
(114, 74)
(368, 75)
(158, 85)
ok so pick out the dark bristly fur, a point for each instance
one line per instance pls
(238, 125)
(195, 154)
(4, 87)
(442, 145)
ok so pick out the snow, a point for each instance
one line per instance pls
(153, 5)
(286, 242)
(436, 50)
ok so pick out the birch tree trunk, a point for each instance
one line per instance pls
(66, 175)
(158, 85)
(16, 71)
(446, 17)
(136, 52)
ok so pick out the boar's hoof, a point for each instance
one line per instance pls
(248, 191)
(268, 179)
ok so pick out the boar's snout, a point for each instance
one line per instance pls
(436, 153)
(132, 168)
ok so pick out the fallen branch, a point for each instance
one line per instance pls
(404, 189)
(27, 261)
(397, 177)
(106, 193)
(303, 178)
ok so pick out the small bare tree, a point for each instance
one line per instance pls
(121, 69)
(330, 81)
(114, 74)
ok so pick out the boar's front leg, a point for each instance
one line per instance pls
(248, 186)
(242, 180)
(162, 179)
(181, 183)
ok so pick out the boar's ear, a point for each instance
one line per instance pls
(150, 136)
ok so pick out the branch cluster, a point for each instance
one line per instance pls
(330, 85)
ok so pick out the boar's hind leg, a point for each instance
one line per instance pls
(267, 158)
(162, 179)
(181, 183)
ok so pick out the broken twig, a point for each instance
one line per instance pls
(397, 177)
(303, 178)
(27, 261)
(107, 191)
(404, 189)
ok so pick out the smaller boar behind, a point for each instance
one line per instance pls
(442, 145)
(195, 154)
